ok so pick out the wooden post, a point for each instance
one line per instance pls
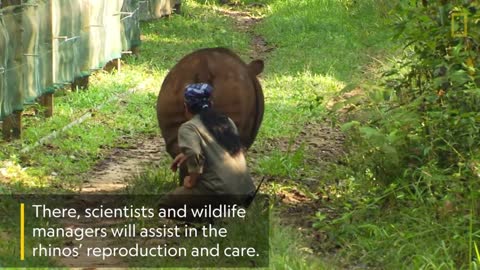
(177, 9)
(47, 102)
(113, 65)
(135, 50)
(80, 83)
(12, 126)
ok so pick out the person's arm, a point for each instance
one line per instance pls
(177, 162)
(190, 145)
(191, 180)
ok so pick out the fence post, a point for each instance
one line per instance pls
(135, 50)
(12, 126)
(46, 100)
(80, 83)
(177, 8)
(112, 65)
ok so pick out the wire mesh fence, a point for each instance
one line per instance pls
(46, 44)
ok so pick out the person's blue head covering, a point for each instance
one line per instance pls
(197, 96)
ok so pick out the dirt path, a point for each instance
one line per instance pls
(323, 143)
(112, 174)
(245, 22)
(89, 262)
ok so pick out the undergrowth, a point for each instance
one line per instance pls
(413, 169)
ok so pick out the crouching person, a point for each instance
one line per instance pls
(211, 150)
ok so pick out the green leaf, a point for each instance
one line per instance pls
(349, 125)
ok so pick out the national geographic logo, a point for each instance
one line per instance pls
(459, 26)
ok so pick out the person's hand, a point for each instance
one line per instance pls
(177, 162)
(187, 182)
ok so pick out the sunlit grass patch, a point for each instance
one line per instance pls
(285, 164)
(154, 180)
(293, 99)
(323, 36)
(166, 41)
(13, 178)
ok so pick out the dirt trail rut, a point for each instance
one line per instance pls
(111, 175)
(323, 142)
(245, 22)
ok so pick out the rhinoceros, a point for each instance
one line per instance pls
(237, 93)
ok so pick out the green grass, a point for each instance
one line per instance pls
(292, 100)
(154, 180)
(323, 37)
(286, 247)
(166, 41)
(320, 48)
(59, 162)
(62, 161)
(9, 230)
(288, 251)
(401, 237)
(284, 164)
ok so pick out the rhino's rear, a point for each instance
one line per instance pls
(237, 92)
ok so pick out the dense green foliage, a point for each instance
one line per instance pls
(415, 138)
(429, 104)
